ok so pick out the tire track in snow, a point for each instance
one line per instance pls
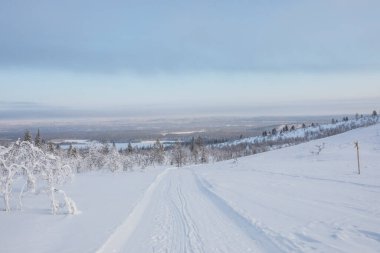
(120, 236)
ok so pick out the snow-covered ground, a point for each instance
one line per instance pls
(287, 200)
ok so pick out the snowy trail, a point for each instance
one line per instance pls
(117, 239)
(179, 213)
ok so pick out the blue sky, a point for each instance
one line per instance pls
(212, 56)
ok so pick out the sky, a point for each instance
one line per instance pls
(153, 58)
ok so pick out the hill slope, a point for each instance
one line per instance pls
(287, 200)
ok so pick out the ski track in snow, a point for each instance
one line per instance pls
(180, 213)
(117, 239)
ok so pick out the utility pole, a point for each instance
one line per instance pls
(357, 154)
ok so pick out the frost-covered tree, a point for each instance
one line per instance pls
(27, 136)
(70, 151)
(37, 139)
(158, 152)
(94, 158)
(113, 160)
(50, 148)
(130, 148)
(204, 155)
(201, 150)
(24, 160)
(105, 149)
(178, 154)
(194, 150)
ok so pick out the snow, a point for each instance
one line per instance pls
(104, 199)
(287, 200)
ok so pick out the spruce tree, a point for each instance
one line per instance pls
(37, 140)
(70, 150)
(158, 152)
(130, 148)
(27, 136)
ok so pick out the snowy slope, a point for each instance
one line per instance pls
(288, 200)
(305, 202)
(104, 199)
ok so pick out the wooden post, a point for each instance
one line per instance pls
(357, 154)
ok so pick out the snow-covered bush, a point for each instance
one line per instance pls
(41, 172)
(318, 149)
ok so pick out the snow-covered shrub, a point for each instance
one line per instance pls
(25, 161)
(318, 149)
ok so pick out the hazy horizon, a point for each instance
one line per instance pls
(35, 111)
(199, 58)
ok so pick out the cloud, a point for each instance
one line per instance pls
(182, 36)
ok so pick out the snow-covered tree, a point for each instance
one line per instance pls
(130, 148)
(24, 160)
(50, 148)
(70, 151)
(113, 160)
(94, 159)
(158, 152)
(27, 136)
(37, 139)
(178, 154)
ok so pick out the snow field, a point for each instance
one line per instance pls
(287, 200)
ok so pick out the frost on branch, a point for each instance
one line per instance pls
(24, 161)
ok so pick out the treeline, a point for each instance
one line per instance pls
(197, 150)
(289, 135)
